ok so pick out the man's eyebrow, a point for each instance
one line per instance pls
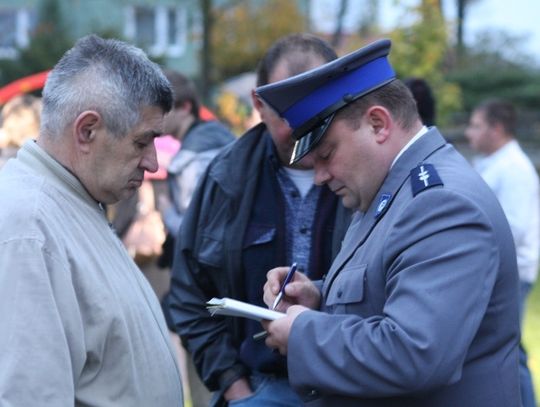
(150, 134)
(322, 144)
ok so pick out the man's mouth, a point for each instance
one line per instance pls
(337, 190)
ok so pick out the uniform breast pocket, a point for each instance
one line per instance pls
(348, 290)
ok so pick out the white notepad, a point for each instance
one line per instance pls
(235, 308)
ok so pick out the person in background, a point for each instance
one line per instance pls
(200, 142)
(80, 324)
(419, 308)
(252, 211)
(512, 176)
(425, 100)
(20, 118)
(200, 139)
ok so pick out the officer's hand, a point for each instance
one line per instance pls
(300, 290)
(279, 329)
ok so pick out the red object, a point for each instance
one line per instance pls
(23, 85)
(206, 114)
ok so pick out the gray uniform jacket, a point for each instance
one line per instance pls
(420, 305)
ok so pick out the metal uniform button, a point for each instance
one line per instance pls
(339, 293)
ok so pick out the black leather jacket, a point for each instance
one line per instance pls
(208, 258)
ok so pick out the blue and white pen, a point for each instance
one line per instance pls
(288, 279)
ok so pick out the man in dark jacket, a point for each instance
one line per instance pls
(250, 213)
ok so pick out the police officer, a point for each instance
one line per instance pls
(419, 308)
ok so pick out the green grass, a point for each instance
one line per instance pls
(531, 336)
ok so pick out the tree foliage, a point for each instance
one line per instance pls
(244, 30)
(420, 45)
(495, 67)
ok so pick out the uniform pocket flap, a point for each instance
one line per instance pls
(348, 286)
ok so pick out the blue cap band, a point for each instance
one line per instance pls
(358, 81)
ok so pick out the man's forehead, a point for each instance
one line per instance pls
(479, 118)
(150, 121)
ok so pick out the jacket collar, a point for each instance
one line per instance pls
(250, 150)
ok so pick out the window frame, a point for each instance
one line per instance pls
(23, 27)
(162, 46)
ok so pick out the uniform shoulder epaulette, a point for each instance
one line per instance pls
(423, 177)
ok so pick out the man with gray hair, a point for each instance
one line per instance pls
(80, 324)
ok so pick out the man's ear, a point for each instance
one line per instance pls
(185, 108)
(380, 120)
(86, 125)
(499, 131)
(257, 103)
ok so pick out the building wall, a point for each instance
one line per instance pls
(120, 19)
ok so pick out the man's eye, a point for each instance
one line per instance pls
(325, 155)
(141, 145)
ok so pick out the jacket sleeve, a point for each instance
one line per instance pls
(198, 274)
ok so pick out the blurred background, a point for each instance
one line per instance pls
(467, 50)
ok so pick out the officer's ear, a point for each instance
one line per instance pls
(85, 129)
(380, 121)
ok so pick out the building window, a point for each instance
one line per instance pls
(145, 34)
(161, 30)
(16, 26)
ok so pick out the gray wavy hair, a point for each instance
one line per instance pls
(109, 76)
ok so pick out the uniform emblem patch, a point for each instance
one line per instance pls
(383, 203)
(423, 177)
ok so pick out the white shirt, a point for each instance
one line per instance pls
(303, 179)
(513, 178)
(422, 131)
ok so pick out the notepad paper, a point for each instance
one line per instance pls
(235, 308)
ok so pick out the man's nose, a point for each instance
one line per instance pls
(321, 175)
(149, 161)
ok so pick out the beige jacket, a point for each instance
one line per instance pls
(79, 323)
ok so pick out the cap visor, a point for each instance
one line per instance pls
(308, 142)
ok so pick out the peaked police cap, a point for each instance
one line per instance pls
(309, 101)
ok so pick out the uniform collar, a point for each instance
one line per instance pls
(422, 131)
